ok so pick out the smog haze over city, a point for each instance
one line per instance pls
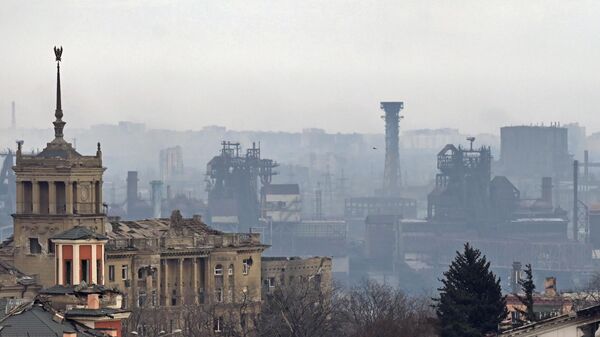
(300, 168)
(288, 65)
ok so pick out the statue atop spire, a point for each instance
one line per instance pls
(58, 123)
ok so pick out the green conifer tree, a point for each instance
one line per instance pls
(471, 302)
(528, 288)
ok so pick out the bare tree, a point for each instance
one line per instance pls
(374, 309)
(589, 295)
(301, 309)
(224, 320)
(146, 321)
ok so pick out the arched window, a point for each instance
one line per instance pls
(219, 269)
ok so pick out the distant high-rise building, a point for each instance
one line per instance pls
(171, 162)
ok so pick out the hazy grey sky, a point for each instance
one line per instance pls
(287, 65)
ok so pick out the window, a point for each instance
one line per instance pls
(85, 271)
(174, 298)
(230, 270)
(50, 247)
(317, 281)
(68, 272)
(271, 282)
(99, 279)
(34, 246)
(141, 273)
(201, 296)
(219, 295)
(246, 263)
(141, 298)
(124, 272)
(218, 324)
(111, 273)
(218, 269)
(515, 316)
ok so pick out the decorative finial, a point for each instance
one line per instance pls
(58, 53)
(58, 123)
(98, 151)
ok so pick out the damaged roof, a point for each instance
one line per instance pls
(155, 228)
(82, 288)
(79, 233)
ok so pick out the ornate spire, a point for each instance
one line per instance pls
(58, 123)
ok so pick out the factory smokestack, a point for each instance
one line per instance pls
(156, 198)
(13, 119)
(515, 277)
(391, 172)
(547, 190)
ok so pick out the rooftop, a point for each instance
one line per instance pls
(32, 319)
(79, 233)
(282, 189)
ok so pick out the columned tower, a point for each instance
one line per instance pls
(57, 189)
(391, 172)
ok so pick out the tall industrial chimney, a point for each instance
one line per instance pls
(547, 190)
(156, 198)
(132, 190)
(515, 277)
(391, 172)
(13, 119)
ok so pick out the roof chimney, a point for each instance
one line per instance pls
(550, 286)
(93, 301)
(69, 334)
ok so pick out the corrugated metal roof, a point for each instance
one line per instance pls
(282, 189)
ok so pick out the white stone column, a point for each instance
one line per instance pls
(35, 196)
(20, 197)
(76, 265)
(195, 286)
(102, 258)
(61, 267)
(181, 297)
(94, 278)
(51, 197)
(69, 197)
(166, 282)
(99, 201)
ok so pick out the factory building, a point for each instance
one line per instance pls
(539, 151)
